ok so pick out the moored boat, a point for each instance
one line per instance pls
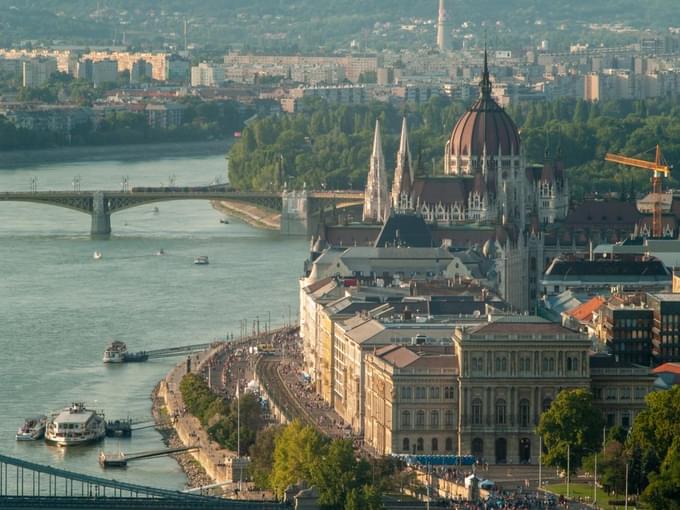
(32, 429)
(115, 353)
(75, 425)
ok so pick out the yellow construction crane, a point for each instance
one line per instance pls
(660, 170)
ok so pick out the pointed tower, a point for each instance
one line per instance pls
(376, 201)
(442, 27)
(402, 187)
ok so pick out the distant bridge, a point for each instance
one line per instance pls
(299, 209)
(28, 485)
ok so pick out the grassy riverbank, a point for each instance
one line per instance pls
(134, 152)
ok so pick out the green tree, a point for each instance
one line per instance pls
(262, 455)
(663, 491)
(298, 449)
(339, 472)
(612, 465)
(571, 425)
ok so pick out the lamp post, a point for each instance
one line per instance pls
(595, 483)
(625, 505)
(568, 467)
(540, 461)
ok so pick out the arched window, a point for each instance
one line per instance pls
(548, 364)
(419, 444)
(501, 417)
(406, 419)
(406, 445)
(546, 403)
(448, 418)
(524, 413)
(420, 418)
(434, 419)
(448, 445)
(435, 444)
(477, 411)
(477, 447)
(572, 364)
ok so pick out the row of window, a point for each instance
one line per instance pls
(501, 364)
(419, 444)
(501, 414)
(421, 392)
(420, 419)
(619, 393)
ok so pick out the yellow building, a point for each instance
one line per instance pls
(411, 400)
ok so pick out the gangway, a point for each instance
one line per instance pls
(121, 459)
(168, 352)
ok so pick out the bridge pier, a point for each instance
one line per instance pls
(295, 214)
(101, 217)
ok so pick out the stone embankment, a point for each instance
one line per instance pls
(210, 455)
(253, 215)
(210, 463)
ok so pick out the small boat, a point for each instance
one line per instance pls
(32, 429)
(201, 260)
(75, 425)
(155, 210)
(160, 253)
(97, 255)
(224, 221)
(115, 353)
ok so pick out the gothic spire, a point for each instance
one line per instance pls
(376, 203)
(485, 84)
(403, 173)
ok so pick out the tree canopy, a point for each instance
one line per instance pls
(570, 428)
(331, 145)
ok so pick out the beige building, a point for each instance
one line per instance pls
(511, 371)
(411, 400)
(619, 389)
(356, 338)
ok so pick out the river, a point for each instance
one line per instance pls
(59, 307)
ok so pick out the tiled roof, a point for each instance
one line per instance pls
(668, 368)
(585, 311)
(426, 357)
(447, 190)
(607, 213)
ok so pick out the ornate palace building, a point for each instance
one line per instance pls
(488, 195)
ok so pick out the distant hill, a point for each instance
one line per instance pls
(302, 24)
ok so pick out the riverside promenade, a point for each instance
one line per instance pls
(220, 464)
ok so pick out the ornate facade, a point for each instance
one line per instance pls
(487, 193)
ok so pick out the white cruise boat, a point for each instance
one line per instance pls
(201, 260)
(32, 429)
(75, 425)
(115, 353)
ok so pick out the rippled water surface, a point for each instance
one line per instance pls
(59, 307)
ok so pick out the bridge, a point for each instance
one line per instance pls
(300, 210)
(26, 484)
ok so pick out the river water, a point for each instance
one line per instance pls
(59, 307)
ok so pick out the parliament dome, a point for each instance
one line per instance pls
(485, 124)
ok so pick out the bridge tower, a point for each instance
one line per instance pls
(101, 217)
(295, 213)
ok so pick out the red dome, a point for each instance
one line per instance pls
(485, 123)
